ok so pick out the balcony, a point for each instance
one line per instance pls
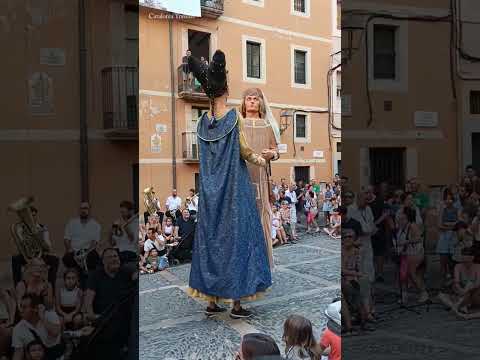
(190, 147)
(212, 8)
(120, 102)
(189, 89)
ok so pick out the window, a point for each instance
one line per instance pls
(301, 126)
(384, 61)
(339, 147)
(300, 8)
(300, 67)
(253, 60)
(475, 102)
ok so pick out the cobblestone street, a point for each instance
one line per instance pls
(306, 279)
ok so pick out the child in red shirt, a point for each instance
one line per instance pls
(331, 338)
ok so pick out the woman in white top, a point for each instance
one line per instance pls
(168, 231)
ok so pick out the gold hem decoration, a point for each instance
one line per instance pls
(194, 293)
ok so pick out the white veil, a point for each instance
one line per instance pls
(271, 119)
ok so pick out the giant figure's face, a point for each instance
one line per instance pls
(252, 103)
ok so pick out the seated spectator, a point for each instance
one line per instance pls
(35, 350)
(184, 234)
(168, 231)
(8, 310)
(69, 297)
(152, 263)
(35, 282)
(278, 233)
(335, 225)
(109, 295)
(37, 324)
(256, 346)
(299, 340)
(285, 217)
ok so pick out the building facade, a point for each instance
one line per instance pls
(287, 55)
(59, 141)
(402, 95)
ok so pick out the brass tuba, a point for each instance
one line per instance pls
(150, 201)
(26, 233)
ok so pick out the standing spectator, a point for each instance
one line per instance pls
(449, 216)
(204, 61)
(18, 261)
(38, 324)
(312, 211)
(300, 192)
(291, 193)
(81, 236)
(187, 73)
(174, 203)
(409, 247)
(124, 232)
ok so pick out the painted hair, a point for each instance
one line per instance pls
(253, 92)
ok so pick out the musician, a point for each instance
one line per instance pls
(125, 232)
(184, 234)
(192, 203)
(146, 214)
(82, 233)
(174, 203)
(18, 261)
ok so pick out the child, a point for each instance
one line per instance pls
(331, 338)
(69, 297)
(299, 340)
(277, 228)
(35, 350)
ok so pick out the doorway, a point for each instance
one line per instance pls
(199, 43)
(387, 164)
(302, 173)
(476, 151)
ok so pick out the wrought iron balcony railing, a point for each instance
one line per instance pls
(190, 146)
(212, 8)
(188, 87)
(120, 101)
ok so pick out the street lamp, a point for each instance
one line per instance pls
(286, 117)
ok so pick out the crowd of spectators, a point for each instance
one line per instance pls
(428, 236)
(58, 302)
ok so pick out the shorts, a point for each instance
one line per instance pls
(274, 232)
(445, 243)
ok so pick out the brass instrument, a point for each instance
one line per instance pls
(150, 201)
(26, 233)
(80, 257)
(118, 229)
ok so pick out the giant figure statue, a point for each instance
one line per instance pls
(229, 260)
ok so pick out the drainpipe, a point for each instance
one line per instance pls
(84, 193)
(172, 86)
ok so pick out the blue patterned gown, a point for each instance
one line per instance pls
(229, 259)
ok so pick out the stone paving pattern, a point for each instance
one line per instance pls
(173, 327)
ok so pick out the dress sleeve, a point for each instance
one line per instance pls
(246, 152)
